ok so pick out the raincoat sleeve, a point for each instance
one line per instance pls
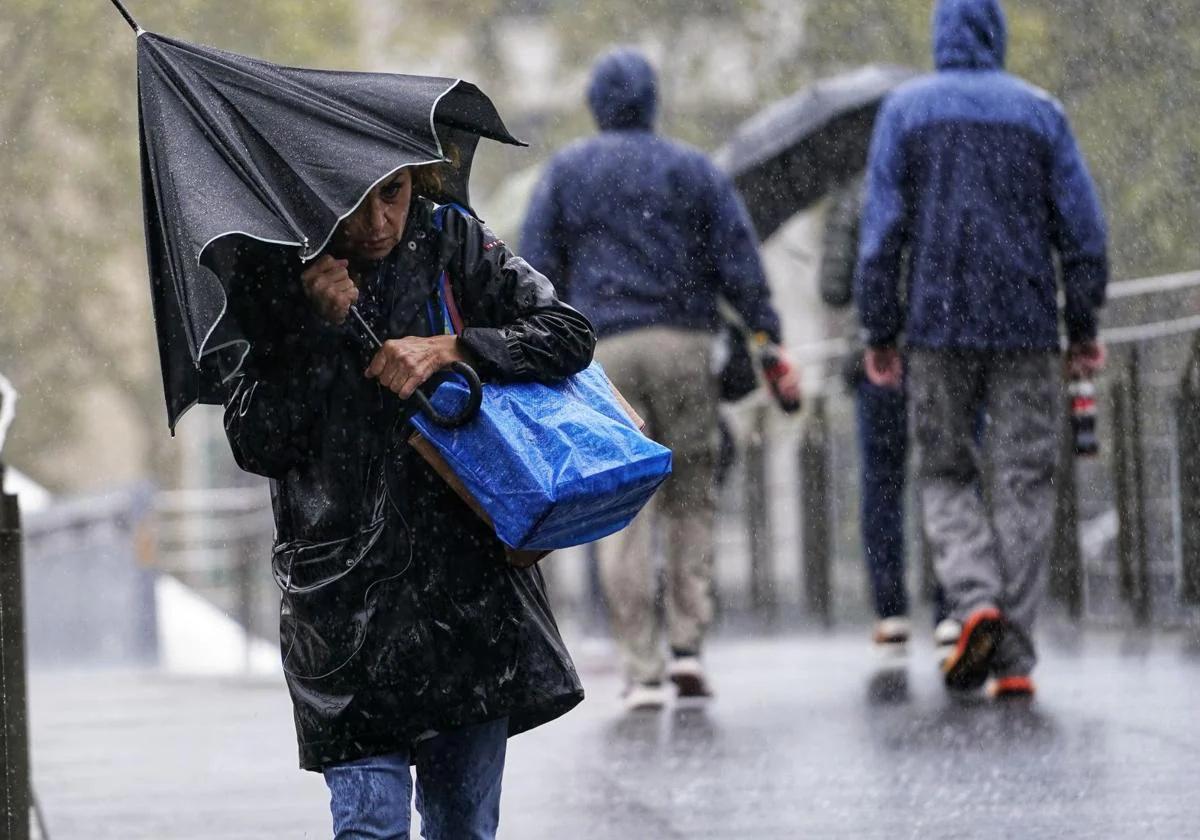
(734, 246)
(541, 238)
(517, 328)
(275, 402)
(882, 234)
(1080, 235)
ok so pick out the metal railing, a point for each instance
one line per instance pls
(218, 542)
(1127, 539)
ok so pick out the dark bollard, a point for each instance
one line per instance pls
(1066, 561)
(758, 518)
(14, 721)
(1188, 446)
(815, 515)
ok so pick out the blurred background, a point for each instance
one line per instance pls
(77, 339)
(176, 538)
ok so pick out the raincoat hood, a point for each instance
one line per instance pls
(969, 34)
(623, 91)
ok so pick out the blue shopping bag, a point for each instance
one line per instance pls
(550, 465)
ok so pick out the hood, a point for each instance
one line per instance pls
(623, 92)
(969, 34)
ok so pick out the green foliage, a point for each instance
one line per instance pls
(74, 297)
(1125, 72)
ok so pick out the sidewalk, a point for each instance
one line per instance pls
(806, 739)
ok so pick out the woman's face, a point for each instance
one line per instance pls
(376, 225)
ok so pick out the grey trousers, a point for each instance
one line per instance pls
(990, 541)
(664, 373)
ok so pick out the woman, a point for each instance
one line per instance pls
(406, 637)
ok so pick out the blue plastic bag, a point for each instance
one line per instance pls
(553, 465)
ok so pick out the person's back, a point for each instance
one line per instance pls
(975, 184)
(977, 174)
(637, 230)
(642, 234)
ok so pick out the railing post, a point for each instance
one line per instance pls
(815, 512)
(758, 518)
(1066, 562)
(14, 719)
(1188, 444)
(1132, 557)
(244, 578)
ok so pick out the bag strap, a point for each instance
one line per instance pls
(451, 318)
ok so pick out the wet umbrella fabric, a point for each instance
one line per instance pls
(236, 147)
(786, 157)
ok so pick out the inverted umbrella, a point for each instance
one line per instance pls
(233, 146)
(789, 155)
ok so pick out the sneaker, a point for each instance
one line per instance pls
(945, 638)
(966, 668)
(891, 635)
(1013, 687)
(690, 680)
(644, 697)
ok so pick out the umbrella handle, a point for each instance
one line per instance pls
(464, 415)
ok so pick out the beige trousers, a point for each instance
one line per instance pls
(664, 373)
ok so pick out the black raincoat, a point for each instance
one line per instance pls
(400, 616)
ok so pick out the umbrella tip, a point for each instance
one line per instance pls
(133, 24)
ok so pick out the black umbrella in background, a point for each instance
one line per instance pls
(789, 155)
(236, 147)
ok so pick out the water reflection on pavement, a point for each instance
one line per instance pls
(808, 737)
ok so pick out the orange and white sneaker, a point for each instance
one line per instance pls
(966, 668)
(1012, 687)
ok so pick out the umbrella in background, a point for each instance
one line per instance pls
(236, 147)
(786, 157)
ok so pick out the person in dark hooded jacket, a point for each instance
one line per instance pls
(643, 234)
(977, 192)
(406, 636)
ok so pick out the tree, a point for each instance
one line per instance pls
(1125, 72)
(75, 302)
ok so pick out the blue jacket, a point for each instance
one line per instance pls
(635, 230)
(974, 184)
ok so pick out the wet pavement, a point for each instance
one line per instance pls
(809, 737)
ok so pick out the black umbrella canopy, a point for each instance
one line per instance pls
(789, 155)
(235, 147)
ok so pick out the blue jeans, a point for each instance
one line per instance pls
(458, 788)
(883, 444)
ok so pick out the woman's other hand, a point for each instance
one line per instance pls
(404, 364)
(329, 288)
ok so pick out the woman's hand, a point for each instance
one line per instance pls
(404, 364)
(329, 288)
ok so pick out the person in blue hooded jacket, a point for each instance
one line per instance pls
(643, 234)
(978, 195)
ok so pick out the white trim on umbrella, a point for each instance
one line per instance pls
(305, 253)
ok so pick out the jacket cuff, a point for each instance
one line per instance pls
(770, 329)
(497, 352)
(875, 339)
(1082, 326)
